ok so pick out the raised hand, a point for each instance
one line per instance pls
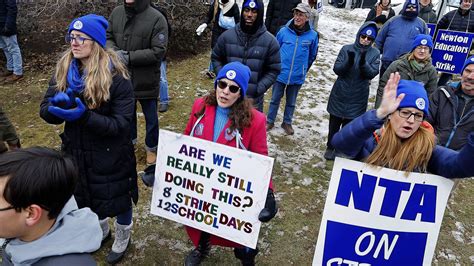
(390, 101)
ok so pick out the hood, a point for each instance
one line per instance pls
(366, 24)
(140, 5)
(404, 12)
(258, 23)
(75, 231)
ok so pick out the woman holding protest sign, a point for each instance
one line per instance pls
(92, 95)
(396, 136)
(226, 116)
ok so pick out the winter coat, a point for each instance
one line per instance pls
(145, 37)
(447, 104)
(7, 130)
(357, 141)
(100, 143)
(297, 53)
(259, 51)
(350, 92)
(397, 34)
(428, 75)
(8, 12)
(457, 20)
(74, 235)
(428, 14)
(216, 29)
(279, 12)
(380, 19)
(254, 139)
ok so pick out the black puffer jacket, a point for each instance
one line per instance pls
(145, 36)
(279, 12)
(457, 20)
(447, 104)
(350, 93)
(8, 11)
(216, 29)
(101, 145)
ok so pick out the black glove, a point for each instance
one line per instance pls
(270, 210)
(362, 58)
(148, 177)
(351, 56)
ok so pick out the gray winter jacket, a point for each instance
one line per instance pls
(350, 92)
(74, 235)
(259, 51)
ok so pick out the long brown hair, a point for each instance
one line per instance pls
(240, 114)
(98, 74)
(412, 154)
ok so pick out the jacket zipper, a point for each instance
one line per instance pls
(293, 60)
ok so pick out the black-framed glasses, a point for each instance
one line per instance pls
(7, 208)
(232, 88)
(79, 39)
(366, 37)
(407, 114)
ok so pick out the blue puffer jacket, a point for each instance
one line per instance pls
(297, 53)
(350, 93)
(356, 140)
(396, 36)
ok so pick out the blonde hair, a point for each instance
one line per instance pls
(411, 56)
(412, 154)
(98, 72)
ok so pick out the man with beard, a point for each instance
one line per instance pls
(397, 34)
(251, 44)
(461, 19)
(452, 109)
(139, 34)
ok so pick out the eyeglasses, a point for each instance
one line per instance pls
(407, 114)
(299, 14)
(7, 208)
(366, 37)
(411, 7)
(422, 47)
(77, 38)
(232, 88)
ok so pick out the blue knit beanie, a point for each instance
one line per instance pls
(469, 60)
(252, 4)
(422, 39)
(238, 73)
(415, 95)
(370, 30)
(92, 25)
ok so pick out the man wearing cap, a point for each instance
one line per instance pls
(461, 19)
(279, 12)
(299, 46)
(452, 109)
(9, 43)
(251, 44)
(397, 34)
(415, 65)
(139, 34)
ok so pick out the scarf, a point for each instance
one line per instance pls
(416, 66)
(75, 80)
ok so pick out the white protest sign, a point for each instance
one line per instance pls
(380, 216)
(211, 187)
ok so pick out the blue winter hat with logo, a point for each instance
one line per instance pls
(415, 95)
(469, 60)
(92, 25)
(422, 39)
(238, 73)
(252, 4)
(370, 30)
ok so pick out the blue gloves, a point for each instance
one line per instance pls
(64, 100)
(68, 115)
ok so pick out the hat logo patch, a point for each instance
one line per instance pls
(252, 4)
(424, 41)
(77, 25)
(413, 1)
(230, 74)
(369, 32)
(472, 59)
(420, 103)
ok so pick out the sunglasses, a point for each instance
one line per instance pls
(366, 37)
(232, 88)
(411, 6)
